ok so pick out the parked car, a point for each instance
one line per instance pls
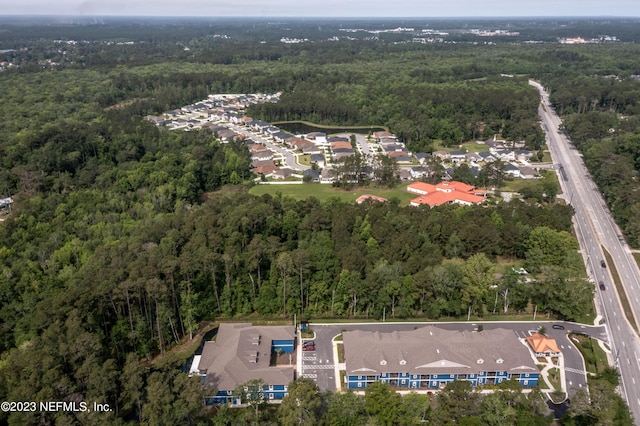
(557, 327)
(602, 287)
(604, 265)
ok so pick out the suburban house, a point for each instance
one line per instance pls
(282, 173)
(487, 157)
(341, 145)
(318, 159)
(337, 139)
(401, 157)
(457, 156)
(319, 137)
(505, 155)
(384, 141)
(418, 172)
(443, 155)
(310, 148)
(543, 345)
(280, 136)
(263, 167)
(428, 358)
(444, 193)
(294, 142)
(262, 155)
(314, 175)
(495, 144)
(512, 170)
(527, 172)
(405, 174)
(327, 175)
(472, 157)
(523, 155)
(383, 134)
(395, 148)
(243, 352)
(422, 157)
(259, 125)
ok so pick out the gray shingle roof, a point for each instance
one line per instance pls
(432, 350)
(242, 352)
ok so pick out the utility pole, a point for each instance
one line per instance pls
(535, 311)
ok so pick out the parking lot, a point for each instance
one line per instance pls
(320, 364)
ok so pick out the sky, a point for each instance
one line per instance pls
(324, 8)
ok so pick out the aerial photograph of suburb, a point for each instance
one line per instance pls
(320, 213)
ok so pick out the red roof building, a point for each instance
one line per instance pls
(445, 193)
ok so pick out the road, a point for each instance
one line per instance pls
(596, 230)
(288, 156)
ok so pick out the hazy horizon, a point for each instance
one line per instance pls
(328, 8)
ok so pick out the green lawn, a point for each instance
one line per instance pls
(595, 358)
(304, 159)
(474, 147)
(325, 191)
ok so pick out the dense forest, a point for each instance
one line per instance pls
(124, 238)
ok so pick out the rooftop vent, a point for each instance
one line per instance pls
(480, 361)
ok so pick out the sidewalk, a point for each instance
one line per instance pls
(337, 366)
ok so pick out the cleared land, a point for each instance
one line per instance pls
(325, 191)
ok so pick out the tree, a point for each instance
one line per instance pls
(300, 258)
(385, 170)
(382, 403)
(302, 406)
(252, 394)
(495, 172)
(463, 173)
(157, 409)
(495, 411)
(345, 409)
(477, 279)
(553, 245)
(285, 264)
(457, 400)
(413, 409)
(132, 380)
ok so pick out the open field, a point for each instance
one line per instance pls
(325, 191)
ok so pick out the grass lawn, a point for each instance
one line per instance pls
(622, 294)
(595, 358)
(514, 185)
(554, 377)
(517, 184)
(474, 147)
(304, 159)
(325, 191)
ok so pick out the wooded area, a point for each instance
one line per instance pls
(124, 237)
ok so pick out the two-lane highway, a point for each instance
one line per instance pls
(596, 230)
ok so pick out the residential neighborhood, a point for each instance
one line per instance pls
(273, 149)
